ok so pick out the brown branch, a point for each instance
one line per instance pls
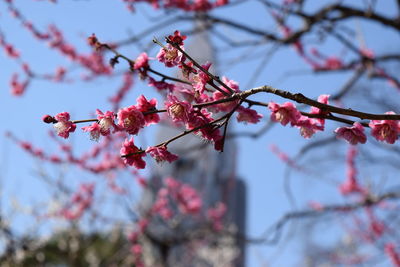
(276, 229)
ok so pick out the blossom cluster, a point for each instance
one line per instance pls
(194, 104)
(287, 113)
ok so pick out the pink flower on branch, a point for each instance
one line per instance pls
(161, 154)
(94, 131)
(170, 56)
(132, 155)
(179, 111)
(217, 95)
(284, 113)
(314, 110)
(177, 38)
(385, 130)
(106, 121)
(141, 62)
(201, 79)
(353, 135)
(308, 127)
(248, 115)
(131, 119)
(143, 105)
(63, 125)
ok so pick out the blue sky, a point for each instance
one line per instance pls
(262, 171)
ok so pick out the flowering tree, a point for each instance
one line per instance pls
(356, 115)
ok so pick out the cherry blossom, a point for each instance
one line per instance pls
(314, 110)
(132, 155)
(177, 38)
(385, 130)
(94, 131)
(143, 105)
(284, 113)
(217, 95)
(106, 121)
(201, 79)
(161, 154)
(170, 56)
(308, 126)
(248, 115)
(353, 135)
(141, 62)
(131, 119)
(63, 126)
(189, 200)
(179, 111)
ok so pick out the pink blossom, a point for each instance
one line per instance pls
(170, 56)
(177, 38)
(106, 121)
(189, 201)
(217, 95)
(284, 113)
(248, 115)
(179, 111)
(63, 126)
(201, 79)
(146, 106)
(202, 121)
(132, 155)
(385, 130)
(142, 61)
(17, 87)
(308, 127)
(353, 135)
(131, 119)
(161, 154)
(230, 83)
(94, 131)
(314, 110)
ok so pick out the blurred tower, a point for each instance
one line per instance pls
(213, 175)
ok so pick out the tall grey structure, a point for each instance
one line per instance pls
(213, 175)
